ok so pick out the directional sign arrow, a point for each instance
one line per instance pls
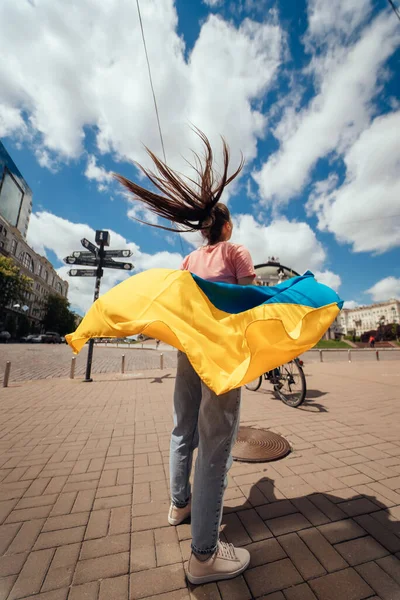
(117, 253)
(82, 254)
(85, 260)
(113, 264)
(89, 246)
(82, 272)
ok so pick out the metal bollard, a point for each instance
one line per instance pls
(377, 355)
(349, 355)
(320, 356)
(7, 374)
(72, 371)
(161, 361)
(123, 364)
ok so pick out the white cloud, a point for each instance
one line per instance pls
(350, 304)
(99, 174)
(294, 243)
(329, 278)
(11, 121)
(365, 210)
(336, 19)
(213, 3)
(386, 288)
(49, 232)
(88, 72)
(346, 77)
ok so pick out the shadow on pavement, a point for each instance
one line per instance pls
(339, 547)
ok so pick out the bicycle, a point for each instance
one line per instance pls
(288, 380)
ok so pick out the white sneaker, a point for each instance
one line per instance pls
(177, 515)
(227, 562)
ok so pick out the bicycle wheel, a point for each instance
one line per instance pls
(254, 385)
(290, 384)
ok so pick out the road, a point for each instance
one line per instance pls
(44, 361)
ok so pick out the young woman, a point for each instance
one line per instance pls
(202, 419)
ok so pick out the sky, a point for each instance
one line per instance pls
(307, 90)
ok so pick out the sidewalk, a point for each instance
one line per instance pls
(84, 491)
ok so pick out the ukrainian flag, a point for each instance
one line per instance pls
(230, 333)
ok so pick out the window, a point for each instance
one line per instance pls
(27, 261)
(58, 287)
(38, 286)
(46, 276)
(11, 196)
(14, 247)
(39, 269)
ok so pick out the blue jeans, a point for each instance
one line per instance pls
(210, 423)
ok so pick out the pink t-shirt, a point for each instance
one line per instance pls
(224, 262)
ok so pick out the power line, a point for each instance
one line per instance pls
(395, 9)
(154, 95)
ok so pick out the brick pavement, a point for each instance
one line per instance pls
(43, 361)
(84, 492)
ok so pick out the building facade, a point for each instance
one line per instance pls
(45, 280)
(368, 318)
(15, 194)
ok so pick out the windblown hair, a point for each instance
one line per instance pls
(190, 203)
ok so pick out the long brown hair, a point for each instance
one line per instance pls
(192, 203)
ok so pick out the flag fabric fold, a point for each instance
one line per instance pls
(230, 333)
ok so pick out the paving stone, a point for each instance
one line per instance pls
(379, 580)
(383, 535)
(361, 550)
(234, 531)
(304, 561)
(272, 577)
(111, 544)
(167, 547)
(235, 589)
(26, 536)
(341, 531)
(33, 572)
(143, 551)
(288, 524)
(254, 525)
(265, 552)
(157, 581)
(12, 565)
(346, 585)
(102, 567)
(300, 592)
(115, 588)
(52, 539)
(324, 552)
(87, 591)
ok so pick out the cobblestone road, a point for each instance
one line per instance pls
(84, 492)
(47, 361)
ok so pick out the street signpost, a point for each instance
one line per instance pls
(86, 260)
(82, 272)
(97, 257)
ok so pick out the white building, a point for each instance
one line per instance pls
(368, 318)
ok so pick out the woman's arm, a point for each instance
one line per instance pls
(246, 280)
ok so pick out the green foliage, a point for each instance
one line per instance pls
(57, 316)
(332, 344)
(13, 285)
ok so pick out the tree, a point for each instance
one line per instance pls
(57, 316)
(13, 285)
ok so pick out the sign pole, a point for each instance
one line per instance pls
(99, 274)
(96, 256)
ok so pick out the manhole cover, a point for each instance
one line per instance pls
(258, 445)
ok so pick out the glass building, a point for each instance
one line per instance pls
(15, 194)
